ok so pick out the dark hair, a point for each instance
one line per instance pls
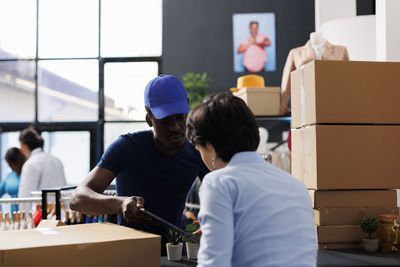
(16, 158)
(31, 138)
(224, 121)
(253, 22)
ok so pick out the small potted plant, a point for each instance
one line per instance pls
(369, 225)
(192, 247)
(174, 245)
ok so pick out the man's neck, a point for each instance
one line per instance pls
(162, 148)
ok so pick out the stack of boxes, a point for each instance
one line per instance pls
(346, 143)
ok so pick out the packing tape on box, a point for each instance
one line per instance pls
(302, 97)
(308, 156)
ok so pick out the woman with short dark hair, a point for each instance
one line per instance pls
(10, 184)
(251, 213)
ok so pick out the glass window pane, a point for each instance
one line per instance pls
(17, 89)
(17, 29)
(68, 90)
(7, 141)
(113, 130)
(68, 28)
(131, 28)
(124, 85)
(73, 149)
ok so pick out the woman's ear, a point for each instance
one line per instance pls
(211, 150)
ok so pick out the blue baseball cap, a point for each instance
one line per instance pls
(166, 96)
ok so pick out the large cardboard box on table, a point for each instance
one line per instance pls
(262, 101)
(348, 92)
(353, 198)
(346, 216)
(340, 234)
(338, 245)
(97, 244)
(347, 156)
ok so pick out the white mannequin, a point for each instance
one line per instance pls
(262, 147)
(318, 42)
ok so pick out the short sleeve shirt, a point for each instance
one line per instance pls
(163, 181)
(255, 57)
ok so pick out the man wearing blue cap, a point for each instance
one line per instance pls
(154, 169)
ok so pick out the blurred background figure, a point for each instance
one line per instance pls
(10, 184)
(41, 170)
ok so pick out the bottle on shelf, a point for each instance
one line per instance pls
(67, 220)
(7, 222)
(73, 217)
(80, 218)
(15, 222)
(30, 224)
(23, 223)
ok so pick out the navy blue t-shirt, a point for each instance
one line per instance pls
(142, 170)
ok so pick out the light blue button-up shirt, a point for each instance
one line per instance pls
(254, 214)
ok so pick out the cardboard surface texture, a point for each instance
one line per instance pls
(50, 223)
(340, 234)
(339, 245)
(97, 244)
(262, 101)
(347, 156)
(345, 216)
(329, 91)
(353, 198)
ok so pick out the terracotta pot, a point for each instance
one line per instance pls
(192, 249)
(174, 252)
(370, 245)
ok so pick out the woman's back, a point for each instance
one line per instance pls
(270, 212)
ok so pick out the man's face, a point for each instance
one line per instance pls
(254, 29)
(170, 131)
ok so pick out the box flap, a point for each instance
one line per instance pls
(67, 235)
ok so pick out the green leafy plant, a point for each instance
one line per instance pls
(173, 237)
(197, 87)
(191, 228)
(369, 225)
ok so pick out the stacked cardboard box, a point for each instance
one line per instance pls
(94, 244)
(345, 143)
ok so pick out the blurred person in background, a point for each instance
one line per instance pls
(10, 184)
(251, 212)
(41, 170)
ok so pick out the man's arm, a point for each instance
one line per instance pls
(245, 45)
(88, 198)
(265, 42)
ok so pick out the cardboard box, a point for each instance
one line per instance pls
(97, 244)
(353, 198)
(340, 234)
(339, 245)
(345, 216)
(328, 91)
(262, 101)
(347, 156)
(50, 223)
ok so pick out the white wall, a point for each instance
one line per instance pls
(328, 10)
(356, 33)
(388, 30)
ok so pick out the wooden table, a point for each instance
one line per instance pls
(328, 258)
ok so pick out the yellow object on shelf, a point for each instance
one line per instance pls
(250, 80)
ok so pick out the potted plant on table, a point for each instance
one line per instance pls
(369, 225)
(174, 245)
(192, 247)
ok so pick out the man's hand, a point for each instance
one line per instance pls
(198, 231)
(131, 212)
